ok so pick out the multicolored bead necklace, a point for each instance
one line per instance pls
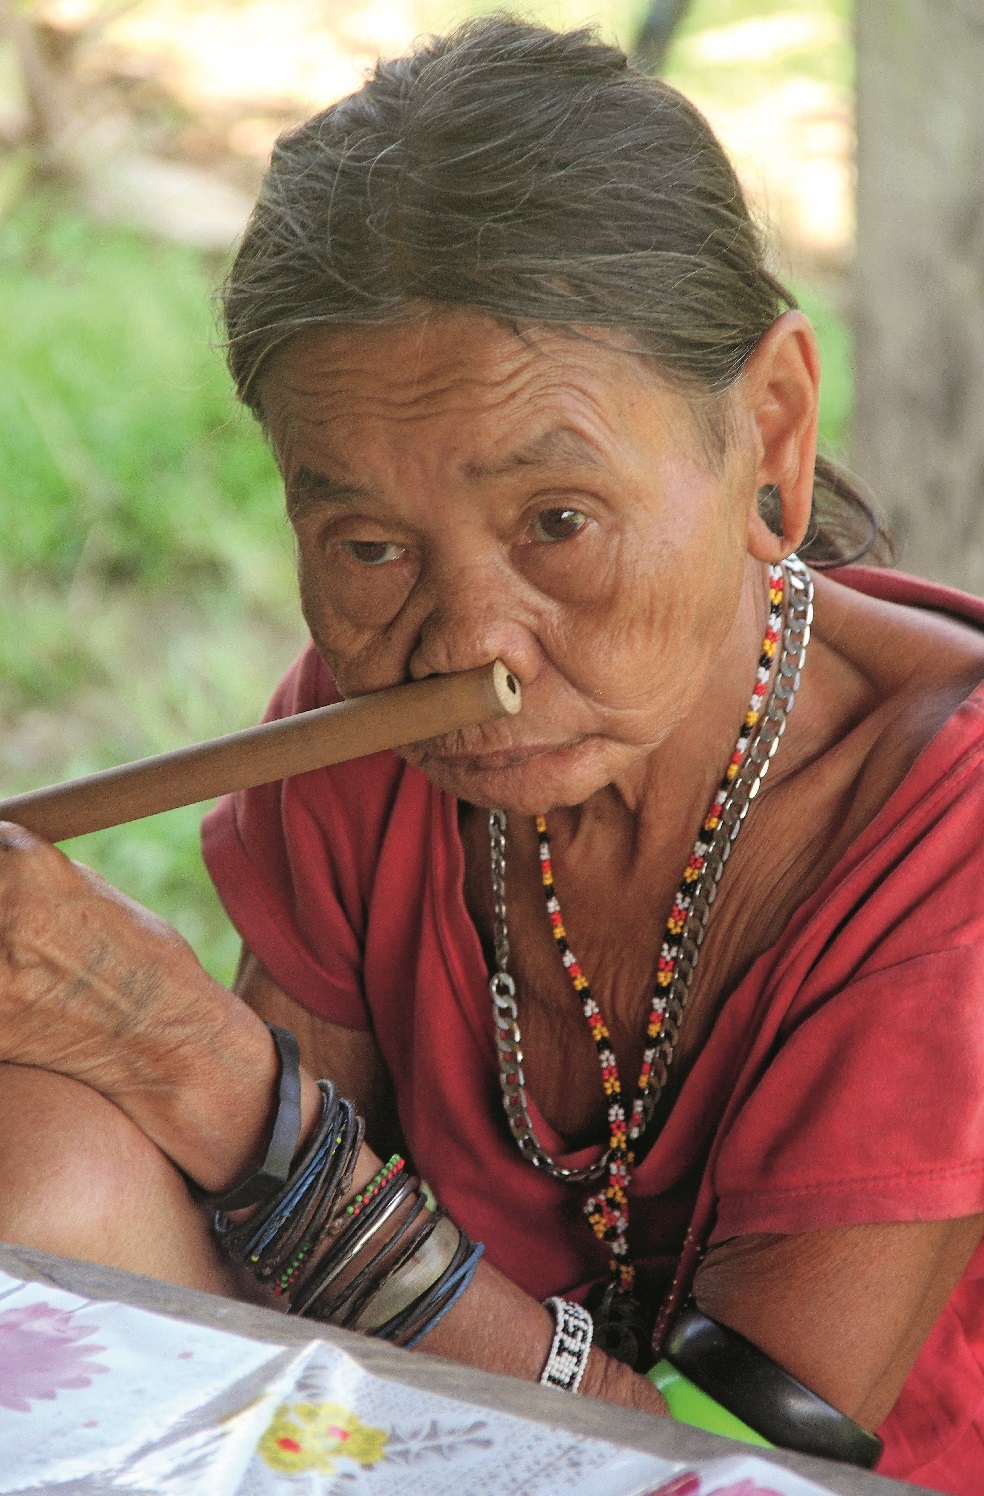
(607, 1210)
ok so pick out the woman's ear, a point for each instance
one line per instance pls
(780, 384)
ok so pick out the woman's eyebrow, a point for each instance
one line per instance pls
(558, 444)
(307, 488)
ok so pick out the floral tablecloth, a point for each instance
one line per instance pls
(100, 1397)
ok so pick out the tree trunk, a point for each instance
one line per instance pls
(919, 279)
(660, 21)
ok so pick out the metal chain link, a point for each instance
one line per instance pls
(797, 622)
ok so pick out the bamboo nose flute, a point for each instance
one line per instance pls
(275, 750)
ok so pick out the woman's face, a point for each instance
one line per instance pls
(461, 493)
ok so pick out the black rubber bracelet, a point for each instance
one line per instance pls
(756, 1389)
(274, 1171)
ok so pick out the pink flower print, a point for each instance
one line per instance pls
(40, 1355)
(744, 1488)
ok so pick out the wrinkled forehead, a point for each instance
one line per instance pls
(457, 367)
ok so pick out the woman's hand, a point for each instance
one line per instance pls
(615, 1382)
(87, 975)
(95, 987)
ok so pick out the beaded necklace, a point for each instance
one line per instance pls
(607, 1209)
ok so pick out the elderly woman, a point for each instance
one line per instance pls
(534, 396)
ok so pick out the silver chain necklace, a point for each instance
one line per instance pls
(797, 620)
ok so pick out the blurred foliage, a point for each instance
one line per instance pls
(837, 361)
(146, 568)
(812, 40)
(123, 456)
(706, 15)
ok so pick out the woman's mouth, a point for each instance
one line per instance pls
(503, 758)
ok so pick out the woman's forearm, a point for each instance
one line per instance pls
(493, 1324)
(97, 989)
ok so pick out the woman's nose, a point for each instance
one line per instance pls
(474, 615)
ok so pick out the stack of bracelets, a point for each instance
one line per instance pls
(389, 1265)
(302, 1242)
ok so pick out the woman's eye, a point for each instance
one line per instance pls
(557, 524)
(373, 552)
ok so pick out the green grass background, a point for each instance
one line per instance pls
(146, 567)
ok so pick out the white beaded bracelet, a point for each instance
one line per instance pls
(571, 1344)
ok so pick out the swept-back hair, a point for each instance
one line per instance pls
(536, 176)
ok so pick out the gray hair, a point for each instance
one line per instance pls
(533, 175)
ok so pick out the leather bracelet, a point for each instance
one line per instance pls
(251, 1239)
(274, 1171)
(756, 1389)
(284, 1221)
(314, 1204)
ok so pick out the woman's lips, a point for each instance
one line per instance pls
(503, 759)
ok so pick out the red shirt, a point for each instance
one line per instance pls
(842, 1084)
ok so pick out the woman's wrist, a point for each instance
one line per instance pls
(215, 1104)
(370, 1255)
